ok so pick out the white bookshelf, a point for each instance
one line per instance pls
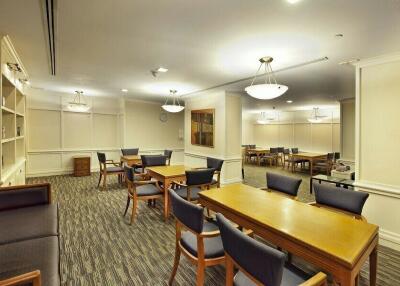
(12, 117)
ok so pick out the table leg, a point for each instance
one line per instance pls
(166, 185)
(311, 166)
(373, 264)
(311, 179)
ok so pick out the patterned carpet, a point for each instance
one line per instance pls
(99, 247)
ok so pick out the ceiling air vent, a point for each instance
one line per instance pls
(49, 21)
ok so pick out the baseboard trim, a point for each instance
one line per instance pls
(389, 239)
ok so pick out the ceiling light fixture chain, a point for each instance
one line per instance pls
(175, 106)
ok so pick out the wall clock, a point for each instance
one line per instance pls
(163, 116)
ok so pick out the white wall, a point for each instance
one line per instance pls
(227, 133)
(348, 132)
(377, 143)
(55, 134)
(293, 130)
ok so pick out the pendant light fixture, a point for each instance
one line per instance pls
(174, 106)
(315, 117)
(266, 118)
(270, 89)
(78, 104)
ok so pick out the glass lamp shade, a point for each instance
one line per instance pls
(173, 108)
(266, 91)
(262, 121)
(78, 107)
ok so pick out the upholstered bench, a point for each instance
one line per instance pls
(29, 242)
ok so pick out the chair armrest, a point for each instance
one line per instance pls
(179, 184)
(24, 196)
(264, 189)
(318, 279)
(148, 182)
(33, 277)
(208, 234)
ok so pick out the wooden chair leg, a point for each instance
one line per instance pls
(176, 264)
(99, 179)
(229, 271)
(134, 206)
(200, 273)
(127, 205)
(105, 182)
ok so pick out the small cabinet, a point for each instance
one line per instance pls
(81, 166)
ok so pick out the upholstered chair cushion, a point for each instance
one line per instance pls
(35, 195)
(283, 184)
(340, 198)
(199, 177)
(153, 160)
(194, 193)
(214, 163)
(212, 246)
(189, 214)
(259, 260)
(131, 151)
(148, 190)
(114, 169)
(168, 153)
(101, 157)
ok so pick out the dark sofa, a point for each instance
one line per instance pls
(29, 242)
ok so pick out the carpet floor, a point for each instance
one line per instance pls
(99, 247)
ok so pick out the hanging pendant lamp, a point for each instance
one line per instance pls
(175, 106)
(270, 89)
(78, 104)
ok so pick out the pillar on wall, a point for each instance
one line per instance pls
(377, 143)
(347, 129)
(227, 133)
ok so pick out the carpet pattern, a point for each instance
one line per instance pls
(99, 247)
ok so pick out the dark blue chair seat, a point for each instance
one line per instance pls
(194, 193)
(212, 246)
(147, 190)
(139, 170)
(290, 277)
(114, 169)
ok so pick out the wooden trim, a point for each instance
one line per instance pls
(33, 277)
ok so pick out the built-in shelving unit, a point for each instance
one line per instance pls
(12, 117)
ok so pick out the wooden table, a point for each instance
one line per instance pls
(258, 152)
(166, 175)
(310, 157)
(335, 242)
(131, 160)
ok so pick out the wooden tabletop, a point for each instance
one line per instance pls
(169, 171)
(257, 150)
(339, 236)
(130, 157)
(309, 155)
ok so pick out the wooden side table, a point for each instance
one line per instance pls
(81, 166)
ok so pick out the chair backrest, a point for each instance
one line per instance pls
(273, 150)
(337, 155)
(153, 160)
(252, 146)
(264, 263)
(281, 149)
(168, 154)
(286, 151)
(295, 150)
(130, 176)
(189, 214)
(340, 198)
(214, 163)
(101, 157)
(131, 151)
(330, 156)
(284, 184)
(199, 177)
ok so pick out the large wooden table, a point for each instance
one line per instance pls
(310, 157)
(334, 242)
(258, 152)
(166, 175)
(131, 160)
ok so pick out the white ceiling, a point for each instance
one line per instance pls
(105, 45)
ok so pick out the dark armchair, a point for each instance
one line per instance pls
(131, 151)
(215, 164)
(168, 154)
(114, 169)
(151, 161)
(200, 243)
(258, 263)
(196, 181)
(284, 185)
(340, 199)
(272, 157)
(140, 189)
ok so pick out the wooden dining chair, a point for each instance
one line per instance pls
(325, 165)
(130, 151)
(257, 263)
(283, 185)
(340, 200)
(168, 154)
(196, 181)
(115, 169)
(140, 188)
(151, 161)
(272, 157)
(215, 164)
(196, 238)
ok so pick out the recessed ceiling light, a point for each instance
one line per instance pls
(293, 1)
(162, 69)
(289, 101)
(124, 90)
